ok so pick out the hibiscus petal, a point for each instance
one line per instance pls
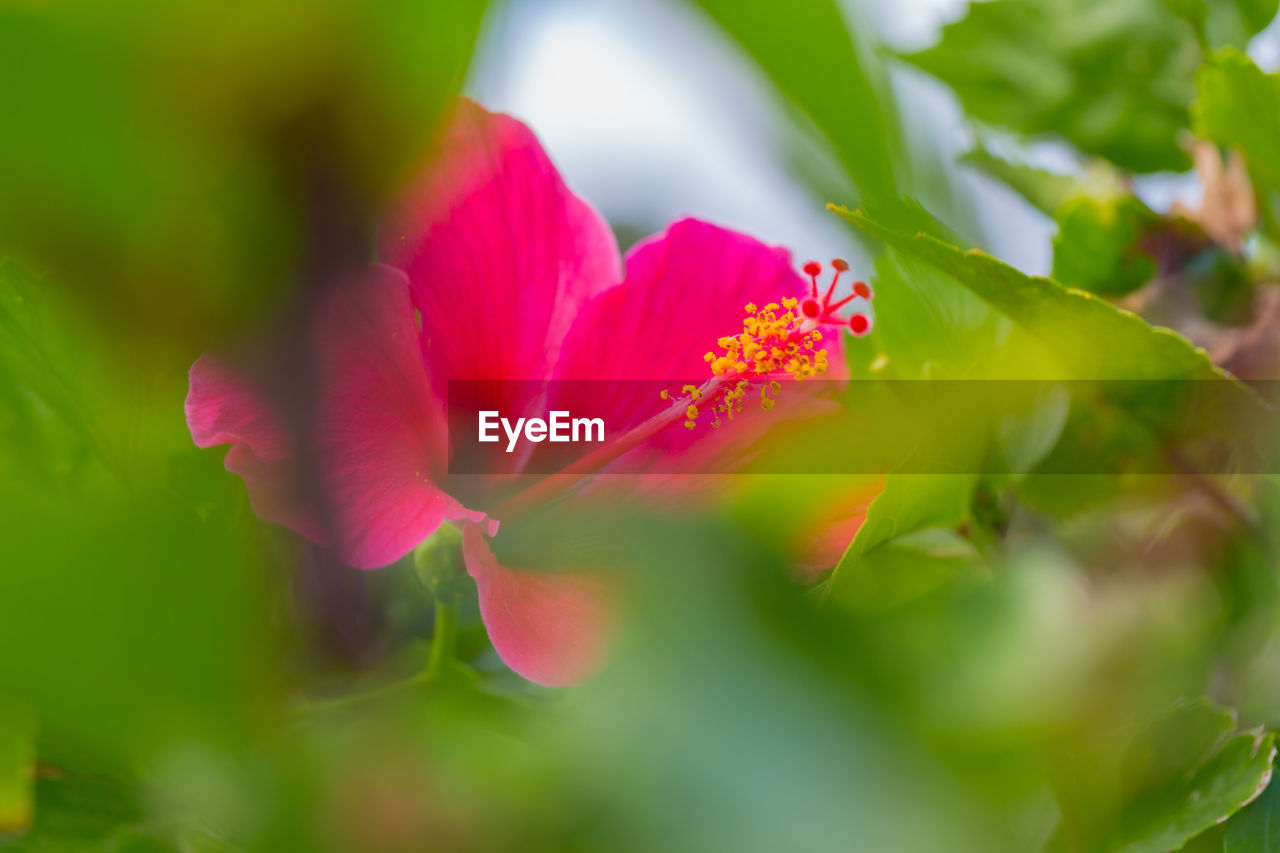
(553, 628)
(684, 289)
(224, 407)
(377, 433)
(500, 253)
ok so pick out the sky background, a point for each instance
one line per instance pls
(651, 115)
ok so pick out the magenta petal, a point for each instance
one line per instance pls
(377, 432)
(684, 289)
(553, 628)
(500, 253)
(223, 407)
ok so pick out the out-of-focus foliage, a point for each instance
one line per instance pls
(176, 155)
(1064, 320)
(1094, 249)
(1113, 77)
(1225, 22)
(1101, 223)
(1257, 829)
(1177, 778)
(1237, 105)
(1111, 243)
(1009, 656)
(1044, 190)
(829, 73)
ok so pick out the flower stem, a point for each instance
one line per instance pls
(443, 639)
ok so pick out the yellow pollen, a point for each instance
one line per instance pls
(770, 343)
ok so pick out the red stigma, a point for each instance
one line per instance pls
(820, 310)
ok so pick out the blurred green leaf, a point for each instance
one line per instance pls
(908, 503)
(1225, 22)
(818, 63)
(130, 574)
(17, 768)
(1238, 106)
(81, 814)
(35, 377)
(1043, 190)
(1096, 247)
(1189, 777)
(1181, 775)
(1131, 426)
(1256, 828)
(1113, 77)
(927, 328)
(1100, 222)
(1177, 743)
(171, 164)
(77, 813)
(898, 572)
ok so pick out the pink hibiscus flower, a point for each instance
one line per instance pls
(515, 278)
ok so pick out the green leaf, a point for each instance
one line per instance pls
(1188, 773)
(1114, 426)
(818, 64)
(1044, 190)
(1096, 247)
(80, 814)
(1184, 773)
(926, 327)
(905, 570)
(1113, 77)
(1238, 106)
(1100, 222)
(17, 768)
(76, 813)
(1219, 23)
(33, 365)
(112, 191)
(1174, 744)
(909, 503)
(1256, 828)
(1070, 322)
